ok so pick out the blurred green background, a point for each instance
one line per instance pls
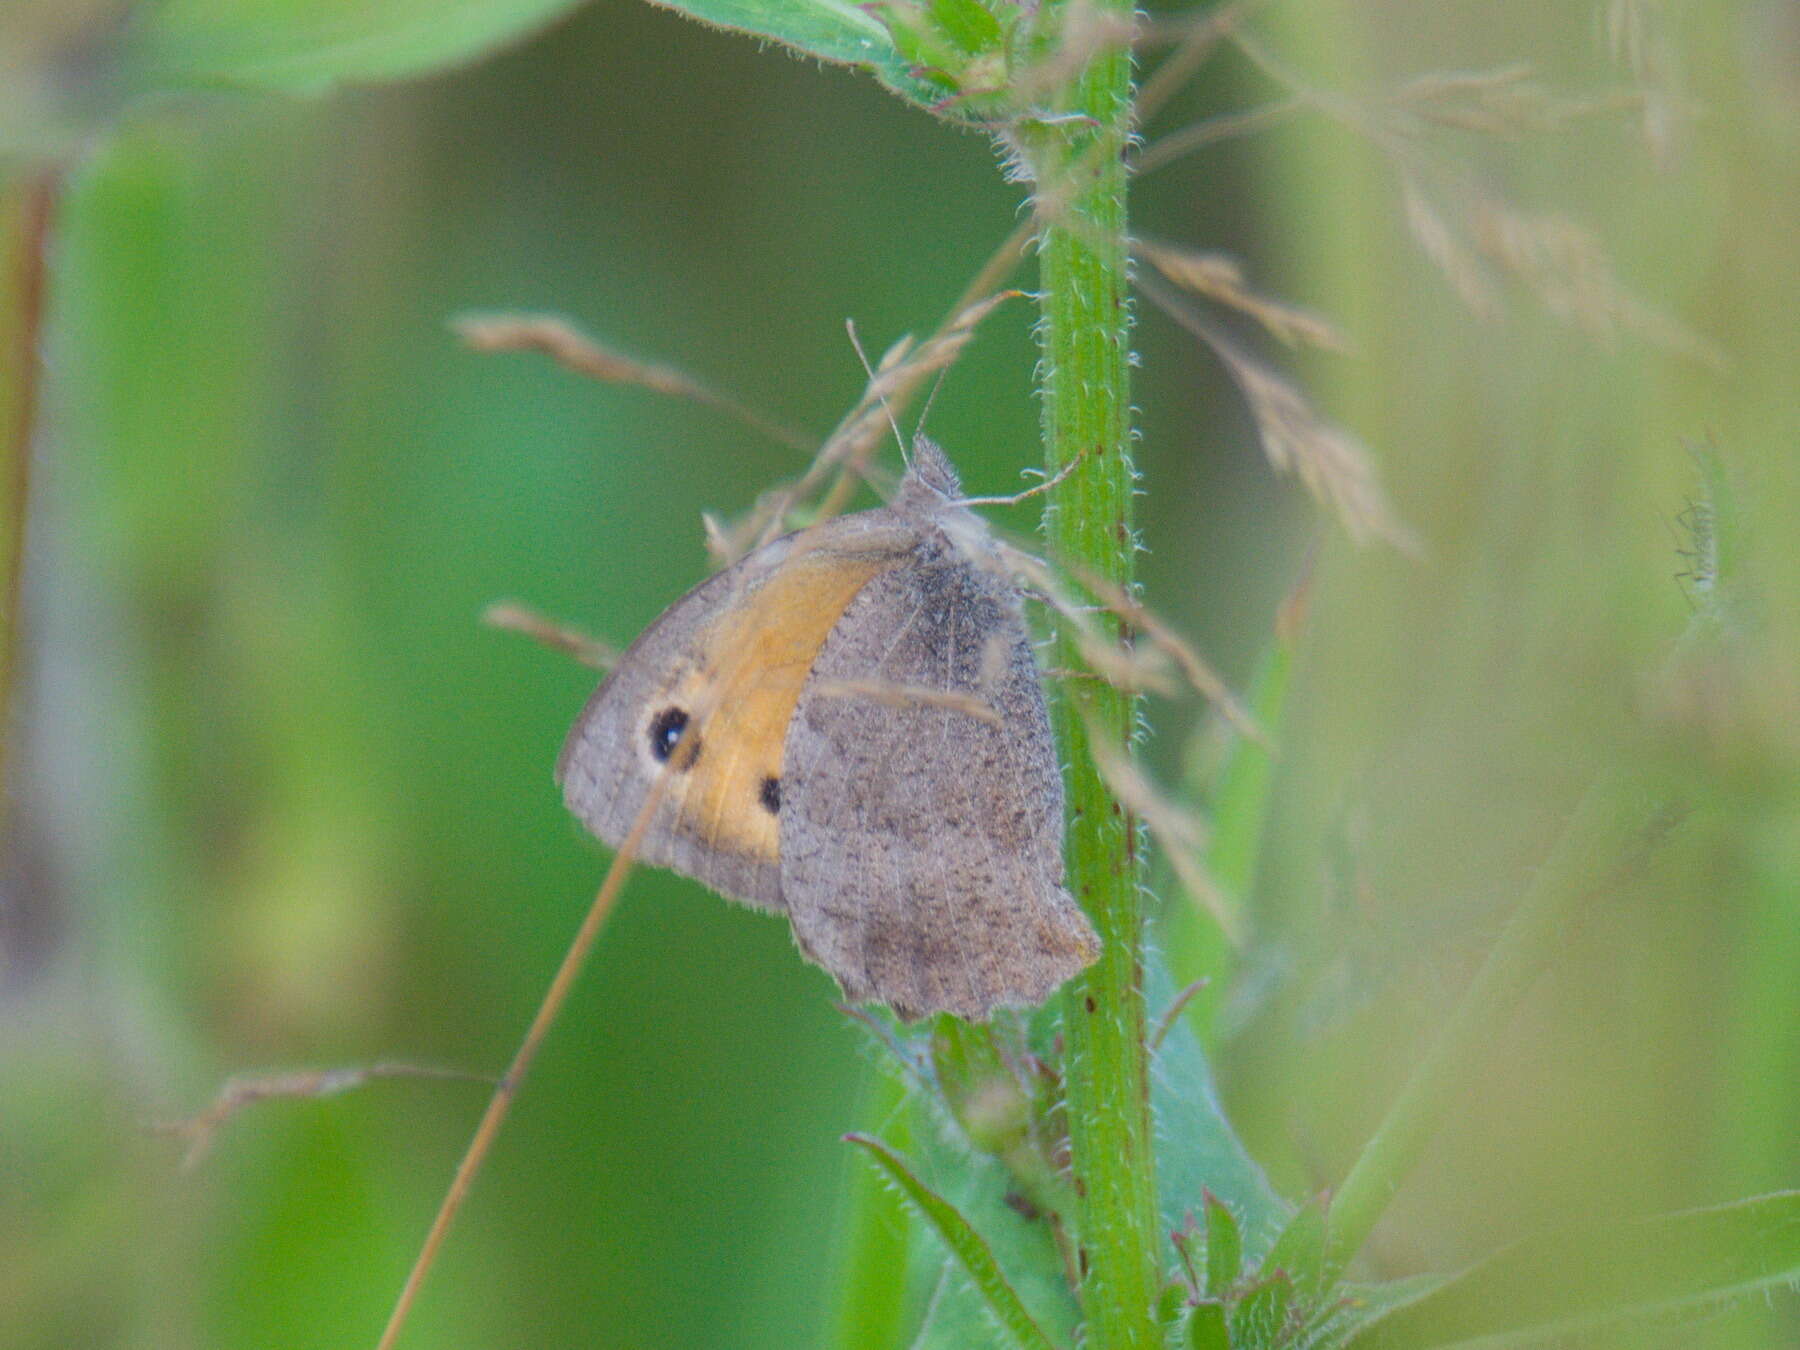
(279, 800)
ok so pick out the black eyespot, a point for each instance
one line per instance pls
(665, 733)
(770, 796)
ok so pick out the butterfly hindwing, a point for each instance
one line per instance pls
(921, 832)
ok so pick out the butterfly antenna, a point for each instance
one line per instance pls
(931, 398)
(869, 370)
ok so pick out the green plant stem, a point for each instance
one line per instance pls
(1085, 328)
(1611, 820)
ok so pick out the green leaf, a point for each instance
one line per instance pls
(981, 1092)
(1197, 1152)
(1549, 1287)
(968, 24)
(1018, 1201)
(1023, 1246)
(306, 46)
(840, 31)
(1224, 1247)
(1300, 1251)
(1206, 1327)
(1353, 1306)
(956, 1315)
(969, 1249)
(1259, 1318)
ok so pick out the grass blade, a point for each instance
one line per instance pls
(871, 1303)
(968, 1247)
(1238, 783)
(1550, 1287)
(1608, 829)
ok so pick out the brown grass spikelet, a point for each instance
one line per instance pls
(1220, 278)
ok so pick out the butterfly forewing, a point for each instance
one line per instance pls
(703, 700)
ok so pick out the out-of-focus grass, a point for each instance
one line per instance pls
(1449, 712)
(296, 804)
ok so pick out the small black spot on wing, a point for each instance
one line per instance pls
(665, 733)
(770, 794)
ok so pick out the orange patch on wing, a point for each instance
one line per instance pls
(754, 661)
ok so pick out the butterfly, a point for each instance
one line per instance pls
(847, 726)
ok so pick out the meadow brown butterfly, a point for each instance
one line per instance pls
(854, 734)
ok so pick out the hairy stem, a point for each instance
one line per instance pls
(1085, 323)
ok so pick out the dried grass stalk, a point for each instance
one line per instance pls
(1220, 278)
(909, 695)
(516, 618)
(564, 343)
(1335, 467)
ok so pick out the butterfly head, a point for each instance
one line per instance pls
(930, 484)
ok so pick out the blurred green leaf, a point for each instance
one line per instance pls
(1198, 1155)
(1237, 782)
(1300, 1250)
(1206, 1327)
(1224, 1247)
(1353, 1306)
(1550, 1287)
(1611, 829)
(1241, 790)
(968, 23)
(982, 1094)
(969, 1248)
(839, 31)
(1262, 1314)
(306, 46)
